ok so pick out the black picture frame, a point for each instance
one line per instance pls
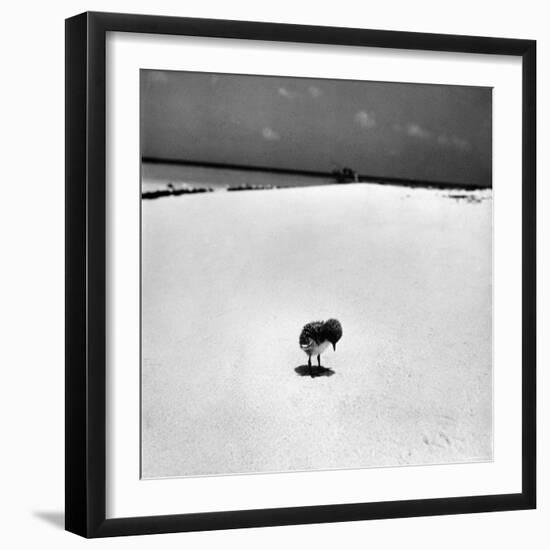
(86, 274)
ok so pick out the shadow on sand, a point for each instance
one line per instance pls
(314, 372)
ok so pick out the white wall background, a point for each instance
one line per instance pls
(32, 271)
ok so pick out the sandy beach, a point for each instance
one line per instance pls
(228, 281)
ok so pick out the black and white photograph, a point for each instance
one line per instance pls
(316, 274)
(274, 275)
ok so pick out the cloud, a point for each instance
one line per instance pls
(365, 120)
(462, 144)
(285, 92)
(158, 76)
(416, 131)
(455, 142)
(270, 134)
(314, 92)
(444, 140)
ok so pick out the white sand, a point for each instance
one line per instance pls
(230, 278)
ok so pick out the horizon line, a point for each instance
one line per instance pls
(406, 182)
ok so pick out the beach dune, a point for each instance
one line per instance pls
(228, 281)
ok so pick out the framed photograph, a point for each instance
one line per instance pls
(300, 274)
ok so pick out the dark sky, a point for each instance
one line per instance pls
(413, 131)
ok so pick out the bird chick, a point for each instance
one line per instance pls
(316, 337)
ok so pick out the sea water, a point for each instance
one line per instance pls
(155, 176)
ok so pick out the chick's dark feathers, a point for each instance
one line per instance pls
(321, 331)
(311, 331)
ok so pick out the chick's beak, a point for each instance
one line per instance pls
(334, 346)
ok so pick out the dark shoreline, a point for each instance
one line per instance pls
(362, 178)
(168, 192)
